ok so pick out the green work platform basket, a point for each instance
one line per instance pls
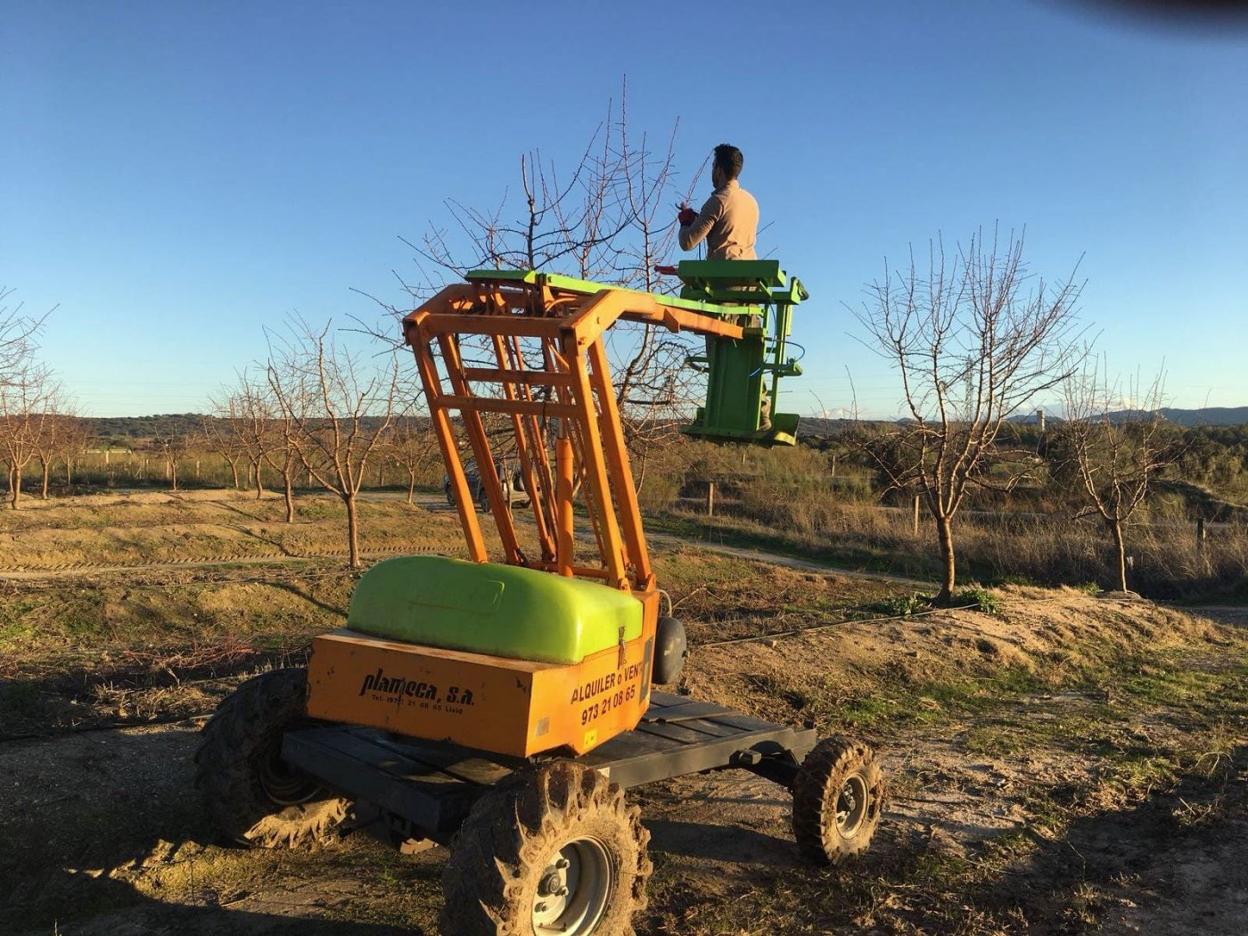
(743, 375)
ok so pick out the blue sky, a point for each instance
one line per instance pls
(178, 175)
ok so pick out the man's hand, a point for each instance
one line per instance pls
(686, 216)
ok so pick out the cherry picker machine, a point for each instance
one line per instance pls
(502, 707)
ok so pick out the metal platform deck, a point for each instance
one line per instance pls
(432, 785)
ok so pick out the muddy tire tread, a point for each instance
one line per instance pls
(241, 728)
(821, 774)
(502, 847)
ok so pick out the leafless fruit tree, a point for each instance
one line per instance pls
(172, 447)
(1114, 455)
(72, 438)
(412, 447)
(26, 397)
(341, 405)
(254, 420)
(221, 437)
(282, 452)
(63, 436)
(26, 388)
(975, 338)
(17, 335)
(610, 220)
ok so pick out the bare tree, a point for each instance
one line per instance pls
(221, 437)
(26, 396)
(341, 406)
(1113, 455)
(975, 339)
(72, 438)
(412, 447)
(17, 335)
(282, 453)
(24, 390)
(609, 220)
(58, 436)
(251, 416)
(172, 447)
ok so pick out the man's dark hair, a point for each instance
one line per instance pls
(728, 160)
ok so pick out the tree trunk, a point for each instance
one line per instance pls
(259, 482)
(173, 474)
(47, 470)
(944, 534)
(1120, 549)
(234, 471)
(411, 486)
(15, 486)
(289, 493)
(353, 533)
(69, 471)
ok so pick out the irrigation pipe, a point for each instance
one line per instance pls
(797, 632)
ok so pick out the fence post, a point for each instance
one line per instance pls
(916, 515)
(710, 498)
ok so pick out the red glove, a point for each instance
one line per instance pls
(687, 216)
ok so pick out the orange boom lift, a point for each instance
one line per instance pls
(516, 692)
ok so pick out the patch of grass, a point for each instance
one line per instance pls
(981, 598)
(902, 605)
(894, 706)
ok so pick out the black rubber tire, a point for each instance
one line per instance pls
(238, 762)
(817, 789)
(498, 855)
(671, 650)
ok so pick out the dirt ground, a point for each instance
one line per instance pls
(1069, 764)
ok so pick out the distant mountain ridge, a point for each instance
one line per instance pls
(139, 427)
(1207, 416)
(1187, 418)
(123, 430)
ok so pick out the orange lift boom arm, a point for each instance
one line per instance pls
(573, 385)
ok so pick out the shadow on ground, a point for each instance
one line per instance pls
(101, 825)
(1174, 862)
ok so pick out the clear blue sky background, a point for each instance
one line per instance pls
(175, 175)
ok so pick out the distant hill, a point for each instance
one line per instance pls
(1208, 416)
(125, 429)
(1187, 418)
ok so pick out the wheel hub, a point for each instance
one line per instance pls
(851, 806)
(574, 889)
(282, 783)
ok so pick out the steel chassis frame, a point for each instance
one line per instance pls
(425, 789)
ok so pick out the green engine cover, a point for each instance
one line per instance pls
(503, 610)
